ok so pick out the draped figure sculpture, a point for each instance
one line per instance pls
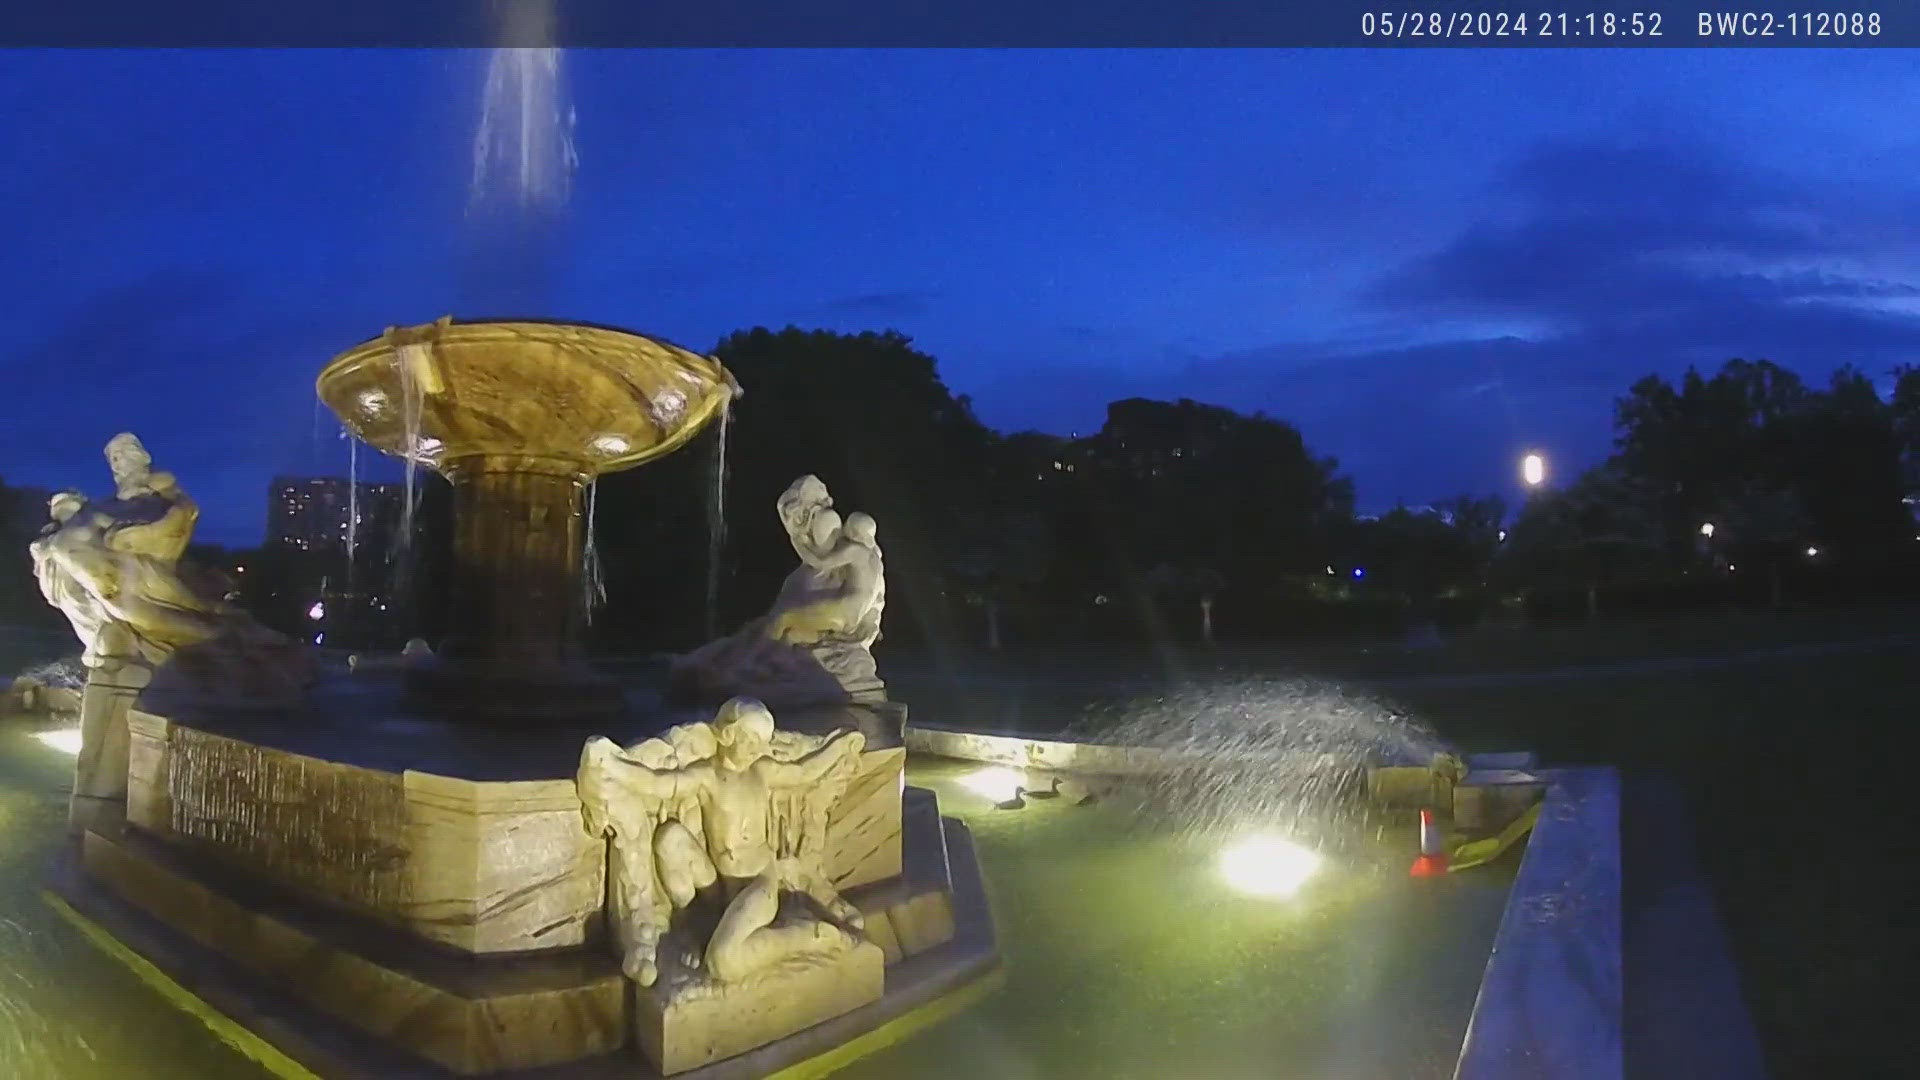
(734, 809)
(113, 568)
(814, 647)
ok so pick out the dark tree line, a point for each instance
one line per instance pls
(1747, 471)
(1175, 520)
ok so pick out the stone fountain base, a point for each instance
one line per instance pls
(364, 917)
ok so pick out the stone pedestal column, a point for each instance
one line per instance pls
(517, 549)
(100, 769)
(514, 650)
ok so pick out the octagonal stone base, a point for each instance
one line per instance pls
(678, 1033)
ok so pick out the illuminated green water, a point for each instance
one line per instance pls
(67, 1010)
(1126, 956)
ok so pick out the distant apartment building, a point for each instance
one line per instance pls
(315, 513)
(335, 542)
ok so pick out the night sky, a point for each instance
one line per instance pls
(1429, 261)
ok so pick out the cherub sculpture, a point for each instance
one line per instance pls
(735, 809)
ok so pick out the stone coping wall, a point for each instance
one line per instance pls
(1551, 1003)
(1059, 755)
(482, 866)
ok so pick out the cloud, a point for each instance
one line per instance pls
(1610, 260)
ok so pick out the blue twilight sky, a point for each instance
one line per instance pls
(1428, 260)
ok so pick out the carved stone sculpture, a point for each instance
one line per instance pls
(814, 647)
(736, 809)
(113, 567)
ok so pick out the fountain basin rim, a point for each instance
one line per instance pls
(619, 343)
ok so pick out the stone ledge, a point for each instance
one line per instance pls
(1064, 755)
(918, 990)
(1550, 1004)
(468, 1016)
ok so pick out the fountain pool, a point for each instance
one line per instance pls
(1126, 955)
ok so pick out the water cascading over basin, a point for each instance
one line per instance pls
(519, 417)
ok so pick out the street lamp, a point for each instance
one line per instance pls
(1533, 469)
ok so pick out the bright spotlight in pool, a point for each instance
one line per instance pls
(1267, 866)
(998, 783)
(65, 740)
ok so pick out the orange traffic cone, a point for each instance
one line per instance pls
(1433, 848)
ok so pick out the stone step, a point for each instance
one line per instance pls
(471, 1015)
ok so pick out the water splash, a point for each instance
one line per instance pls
(592, 578)
(407, 360)
(523, 152)
(523, 166)
(717, 521)
(353, 504)
(1286, 754)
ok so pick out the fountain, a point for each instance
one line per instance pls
(491, 857)
(520, 417)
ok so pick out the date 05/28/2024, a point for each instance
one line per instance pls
(1755, 25)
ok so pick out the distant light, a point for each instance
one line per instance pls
(1533, 469)
(1730, 568)
(1330, 569)
(997, 783)
(1812, 552)
(65, 740)
(1267, 866)
(1359, 573)
(1706, 529)
(317, 612)
(319, 639)
(1503, 536)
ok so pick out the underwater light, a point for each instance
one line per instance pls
(1267, 866)
(65, 740)
(998, 783)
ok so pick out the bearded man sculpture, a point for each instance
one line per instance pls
(113, 567)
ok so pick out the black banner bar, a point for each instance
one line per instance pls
(955, 24)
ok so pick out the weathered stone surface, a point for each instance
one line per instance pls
(680, 1032)
(149, 766)
(499, 867)
(484, 867)
(863, 828)
(335, 832)
(922, 923)
(471, 1017)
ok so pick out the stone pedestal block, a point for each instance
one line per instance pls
(678, 1032)
(1487, 800)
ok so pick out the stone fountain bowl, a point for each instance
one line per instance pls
(599, 398)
